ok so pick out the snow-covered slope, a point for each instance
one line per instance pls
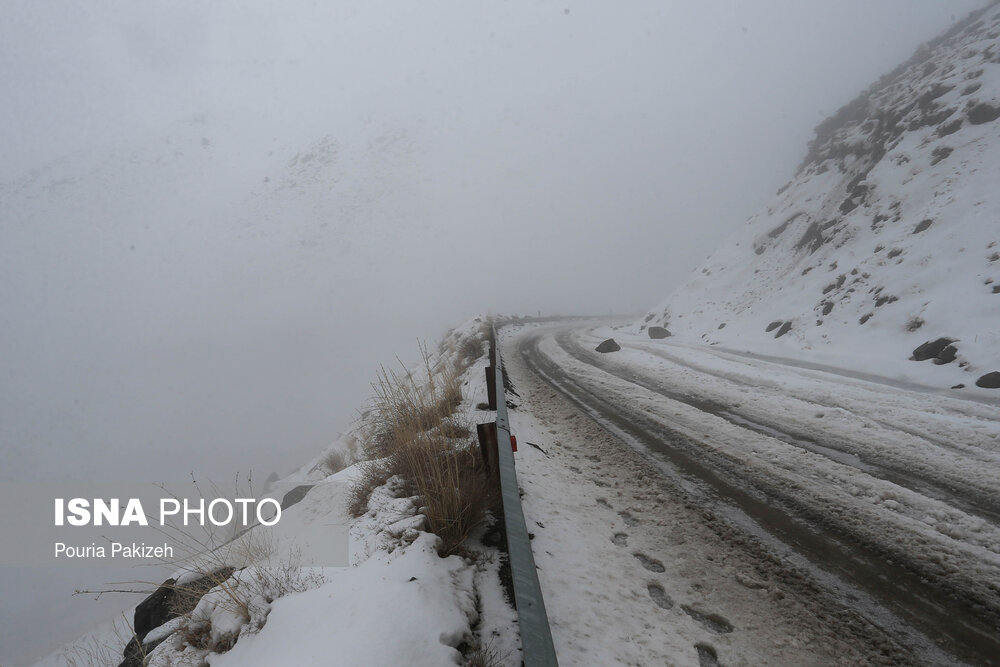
(324, 587)
(887, 237)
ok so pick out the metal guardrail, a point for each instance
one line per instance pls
(536, 636)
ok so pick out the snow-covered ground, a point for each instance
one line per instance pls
(906, 474)
(392, 601)
(631, 571)
(640, 560)
(397, 603)
(680, 492)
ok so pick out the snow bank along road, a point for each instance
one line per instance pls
(779, 514)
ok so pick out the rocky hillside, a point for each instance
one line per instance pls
(887, 238)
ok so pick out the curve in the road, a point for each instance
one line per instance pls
(909, 605)
(953, 491)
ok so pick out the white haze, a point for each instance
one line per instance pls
(573, 157)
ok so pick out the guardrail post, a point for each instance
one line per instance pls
(488, 447)
(491, 388)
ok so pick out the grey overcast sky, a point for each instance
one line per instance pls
(217, 218)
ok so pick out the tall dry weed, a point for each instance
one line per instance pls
(411, 433)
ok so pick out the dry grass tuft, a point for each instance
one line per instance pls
(403, 409)
(463, 349)
(372, 474)
(187, 596)
(90, 652)
(486, 655)
(452, 429)
(470, 350)
(453, 486)
(413, 434)
(338, 457)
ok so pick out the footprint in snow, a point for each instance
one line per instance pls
(628, 519)
(604, 503)
(707, 657)
(650, 564)
(711, 622)
(660, 596)
(620, 539)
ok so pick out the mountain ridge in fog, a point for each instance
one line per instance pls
(885, 239)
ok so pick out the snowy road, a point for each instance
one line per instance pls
(882, 502)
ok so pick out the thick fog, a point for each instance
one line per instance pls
(217, 219)
(175, 296)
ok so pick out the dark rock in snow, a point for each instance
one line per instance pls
(155, 610)
(785, 328)
(658, 332)
(608, 346)
(136, 652)
(947, 355)
(989, 381)
(814, 237)
(940, 153)
(922, 225)
(931, 349)
(983, 113)
(884, 299)
(165, 603)
(295, 495)
(958, 386)
(773, 325)
(949, 128)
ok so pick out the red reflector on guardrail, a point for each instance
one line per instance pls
(513, 443)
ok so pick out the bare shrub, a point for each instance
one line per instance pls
(464, 350)
(199, 635)
(340, 455)
(486, 655)
(336, 460)
(187, 595)
(372, 474)
(469, 351)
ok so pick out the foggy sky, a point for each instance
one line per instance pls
(166, 307)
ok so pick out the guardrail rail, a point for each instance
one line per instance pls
(536, 636)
